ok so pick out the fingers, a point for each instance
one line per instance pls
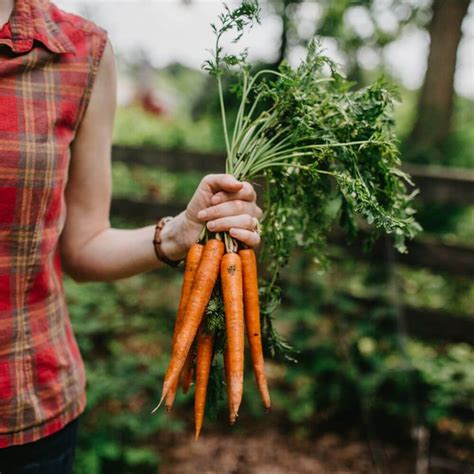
(230, 208)
(246, 193)
(224, 224)
(233, 208)
(222, 182)
(252, 239)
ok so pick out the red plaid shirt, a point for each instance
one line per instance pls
(48, 62)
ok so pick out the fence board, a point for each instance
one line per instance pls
(439, 326)
(423, 323)
(438, 185)
(423, 252)
(172, 160)
(143, 212)
(443, 185)
(430, 324)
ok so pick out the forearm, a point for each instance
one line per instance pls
(93, 251)
(114, 253)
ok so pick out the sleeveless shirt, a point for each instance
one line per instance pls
(48, 63)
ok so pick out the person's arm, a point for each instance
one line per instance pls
(91, 249)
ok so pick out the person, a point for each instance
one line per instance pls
(57, 105)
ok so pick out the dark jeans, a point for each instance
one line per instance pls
(51, 455)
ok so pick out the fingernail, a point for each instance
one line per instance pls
(211, 225)
(202, 214)
(233, 232)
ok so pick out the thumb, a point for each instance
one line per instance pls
(222, 182)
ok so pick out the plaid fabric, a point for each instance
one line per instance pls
(48, 61)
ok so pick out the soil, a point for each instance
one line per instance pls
(272, 453)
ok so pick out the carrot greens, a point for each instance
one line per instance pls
(315, 140)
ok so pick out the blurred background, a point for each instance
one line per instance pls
(385, 376)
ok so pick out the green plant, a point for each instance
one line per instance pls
(315, 141)
(122, 332)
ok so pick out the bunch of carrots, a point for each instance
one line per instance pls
(313, 140)
(237, 269)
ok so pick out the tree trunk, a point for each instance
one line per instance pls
(435, 106)
(282, 50)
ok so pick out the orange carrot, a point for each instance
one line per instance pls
(187, 373)
(205, 279)
(227, 382)
(252, 321)
(232, 291)
(192, 263)
(205, 352)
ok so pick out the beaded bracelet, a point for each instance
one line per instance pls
(157, 243)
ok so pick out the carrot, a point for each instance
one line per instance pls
(192, 263)
(187, 373)
(231, 279)
(201, 290)
(252, 321)
(205, 352)
(232, 416)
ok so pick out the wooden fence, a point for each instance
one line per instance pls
(437, 185)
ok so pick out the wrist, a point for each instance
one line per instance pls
(177, 236)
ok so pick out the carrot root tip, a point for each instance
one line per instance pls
(160, 402)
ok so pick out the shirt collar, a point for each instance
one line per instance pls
(30, 21)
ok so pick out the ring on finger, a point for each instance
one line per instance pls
(256, 225)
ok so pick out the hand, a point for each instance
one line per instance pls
(224, 205)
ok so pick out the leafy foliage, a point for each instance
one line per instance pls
(355, 362)
(340, 21)
(215, 319)
(122, 341)
(315, 141)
